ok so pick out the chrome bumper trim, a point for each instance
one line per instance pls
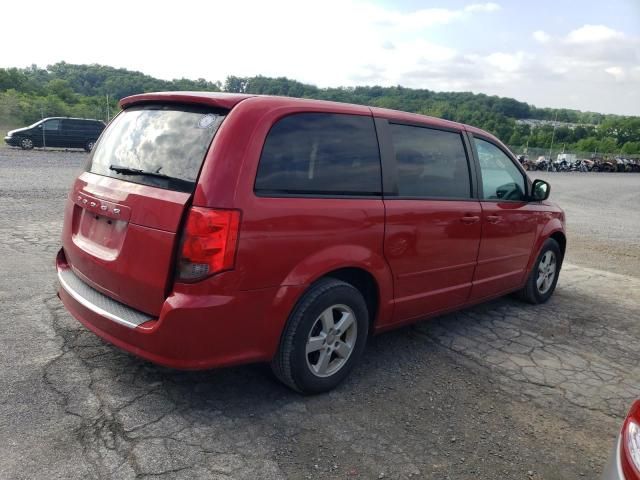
(613, 469)
(98, 302)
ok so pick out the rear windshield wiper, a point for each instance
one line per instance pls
(122, 170)
(136, 171)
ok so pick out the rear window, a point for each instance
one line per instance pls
(157, 145)
(320, 154)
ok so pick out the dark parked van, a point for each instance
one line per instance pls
(217, 229)
(61, 132)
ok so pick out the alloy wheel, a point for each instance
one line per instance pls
(546, 272)
(331, 340)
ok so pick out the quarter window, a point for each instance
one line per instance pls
(430, 163)
(501, 179)
(320, 153)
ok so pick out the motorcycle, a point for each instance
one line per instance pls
(579, 166)
(543, 165)
(561, 166)
(600, 165)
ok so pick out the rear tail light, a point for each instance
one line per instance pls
(208, 243)
(630, 448)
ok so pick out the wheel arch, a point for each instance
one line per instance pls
(365, 269)
(561, 238)
(552, 230)
(364, 282)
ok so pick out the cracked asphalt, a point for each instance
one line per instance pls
(502, 390)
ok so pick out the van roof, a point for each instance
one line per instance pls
(229, 100)
(72, 118)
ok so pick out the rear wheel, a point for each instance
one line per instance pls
(89, 145)
(26, 143)
(544, 275)
(324, 337)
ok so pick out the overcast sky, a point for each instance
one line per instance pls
(582, 54)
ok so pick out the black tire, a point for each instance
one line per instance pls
(291, 364)
(89, 144)
(531, 292)
(26, 143)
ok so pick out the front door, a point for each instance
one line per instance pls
(51, 133)
(509, 223)
(433, 228)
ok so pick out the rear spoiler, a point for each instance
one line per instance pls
(212, 99)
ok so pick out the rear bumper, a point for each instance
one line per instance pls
(613, 470)
(193, 331)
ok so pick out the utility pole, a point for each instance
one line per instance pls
(44, 144)
(553, 136)
(107, 108)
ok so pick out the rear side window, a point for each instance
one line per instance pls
(72, 125)
(320, 153)
(157, 145)
(430, 163)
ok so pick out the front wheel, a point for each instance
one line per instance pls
(26, 143)
(544, 275)
(324, 337)
(89, 145)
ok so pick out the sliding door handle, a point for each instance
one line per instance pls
(468, 219)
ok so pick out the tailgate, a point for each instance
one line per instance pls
(119, 238)
(123, 215)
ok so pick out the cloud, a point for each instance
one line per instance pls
(427, 17)
(482, 7)
(571, 71)
(507, 62)
(388, 45)
(598, 46)
(592, 67)
(349, 42)
(541, 36)
(592, 34)
(617, 72)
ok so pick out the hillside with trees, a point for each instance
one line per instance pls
(62, 89)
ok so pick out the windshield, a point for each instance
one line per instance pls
(167, 141)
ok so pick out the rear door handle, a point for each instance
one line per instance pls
(467, 219)
(493, 218)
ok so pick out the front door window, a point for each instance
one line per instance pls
(501, 179)
(50, 125)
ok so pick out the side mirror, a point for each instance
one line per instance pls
(540, 190)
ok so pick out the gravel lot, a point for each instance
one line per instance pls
(503, 390)
(603, 218)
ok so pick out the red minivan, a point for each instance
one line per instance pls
(217, 229)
